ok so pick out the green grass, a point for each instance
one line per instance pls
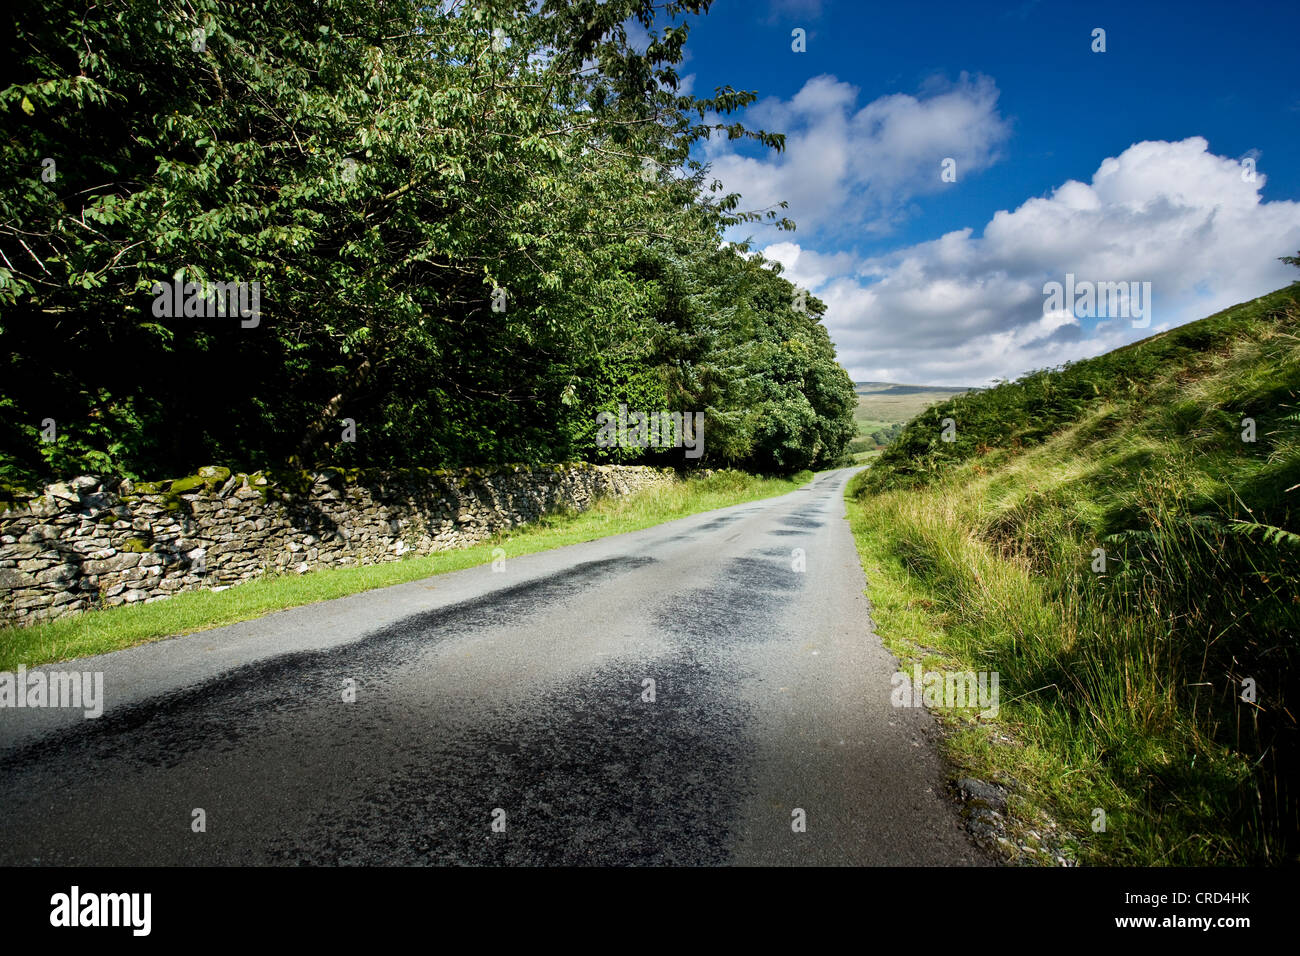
(868, 425)
(99, 632)
(883, 408)
(1120, 689)
(887, 403)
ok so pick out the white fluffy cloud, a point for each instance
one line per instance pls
(846, 169)
(964, 309)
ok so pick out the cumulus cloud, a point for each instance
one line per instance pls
(848, 169)
(964, 309)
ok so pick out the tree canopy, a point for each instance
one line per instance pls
(472, 227)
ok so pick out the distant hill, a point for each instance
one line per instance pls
(896, 388)
(884, 407)
(891, 402)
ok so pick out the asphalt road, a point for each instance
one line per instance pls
(504, 717)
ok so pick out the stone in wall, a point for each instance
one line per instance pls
(93, 542)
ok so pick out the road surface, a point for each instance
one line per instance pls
(508, 717)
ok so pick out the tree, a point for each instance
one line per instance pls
(458, 219)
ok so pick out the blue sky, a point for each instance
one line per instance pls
(1124, 166)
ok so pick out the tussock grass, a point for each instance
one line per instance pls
(1122, 688)
(111, 629)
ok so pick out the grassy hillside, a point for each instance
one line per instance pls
(885, 407)
(1118, 540)
(892, 402)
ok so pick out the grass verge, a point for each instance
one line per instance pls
(111, 629)
(1118, 541)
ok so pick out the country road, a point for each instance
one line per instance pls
(520, 696)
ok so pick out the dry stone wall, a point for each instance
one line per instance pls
(93, 542)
